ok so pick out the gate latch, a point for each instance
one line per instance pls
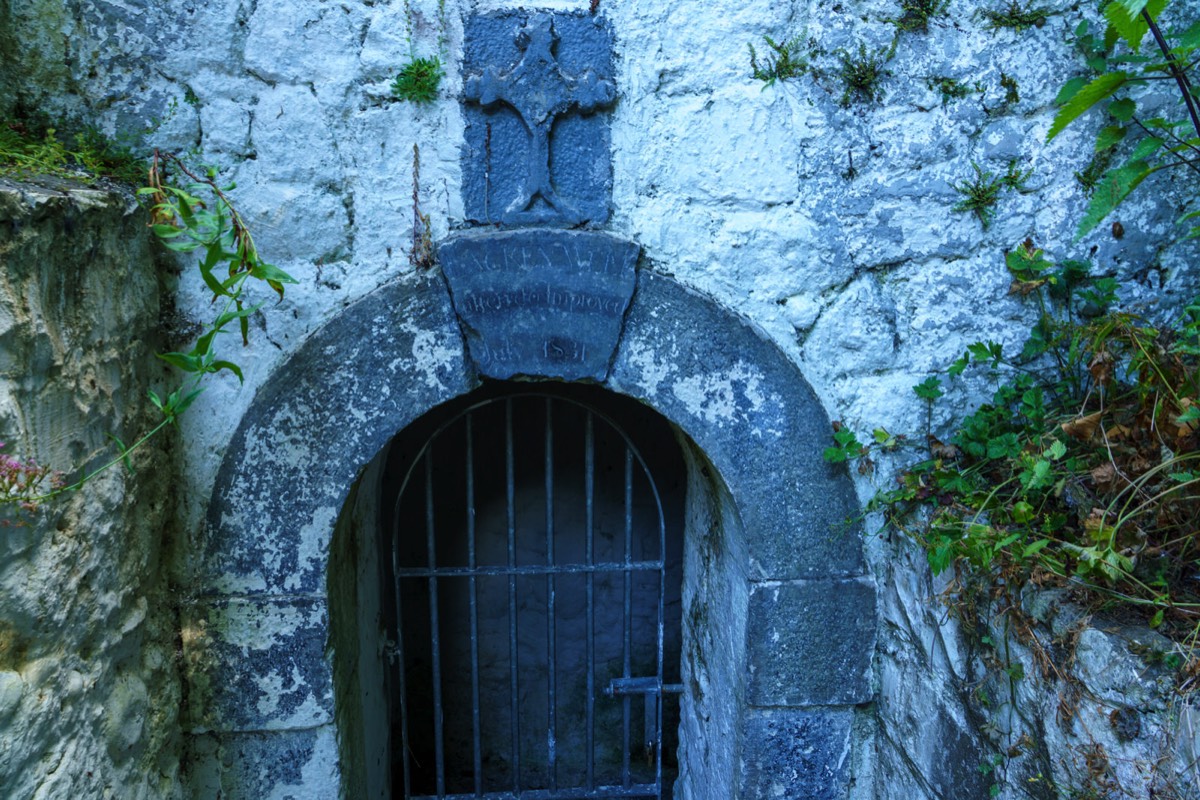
(619, 687)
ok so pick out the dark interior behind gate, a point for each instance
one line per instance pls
(534, 549)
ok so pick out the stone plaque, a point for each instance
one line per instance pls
(544, 303)
(537, 138)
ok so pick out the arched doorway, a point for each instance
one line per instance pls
(533, 546)
(778, 617)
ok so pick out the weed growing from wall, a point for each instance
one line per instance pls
(27, 147)
(1085, 466)
(782, 61)
(915, 15)
(861, 74)
(981, 194)
(418, 80)
(1014, 15)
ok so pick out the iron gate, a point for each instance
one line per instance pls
(529, 557)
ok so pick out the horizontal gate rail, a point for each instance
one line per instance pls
(647, 790)
(531, 569)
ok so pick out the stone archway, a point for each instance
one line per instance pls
(261, 717)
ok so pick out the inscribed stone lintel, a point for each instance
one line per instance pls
(540, 303)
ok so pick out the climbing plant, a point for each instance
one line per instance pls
(190, 212)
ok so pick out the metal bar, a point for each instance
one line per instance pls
(510, 502)
(637, 790)
(532, 569)
(474, 608)
(399, 651)
(551, 731)
(434, 633)
(589, 490)
(650, 685)
(628, 614)
(662, 601)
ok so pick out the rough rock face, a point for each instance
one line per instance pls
(831, 227)
(89, 693)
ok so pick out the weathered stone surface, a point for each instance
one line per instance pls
(86, 635)
(796, 754)
(752, 413)
(287, 765)
(536, 77)
(810, 642)
(540, 303)
(256, 665)
(391, 357)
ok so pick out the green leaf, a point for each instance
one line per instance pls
(204, 343)
(217, 366)
(124, 451)
(1100, 88)
(269, 272)
(834, 455)
(1122, 109)
(1055, 451)
(929, 389)
(187, 401)
(1190, 39)
(1192, 414)
(1109, 137)
(184, 361)
(1146, 147)
(1127, 24)
(154, 398)
(1157, 619)
(1070, 89)
(1035, 548)
(1114, 187)
(164, 231)
(240, 313)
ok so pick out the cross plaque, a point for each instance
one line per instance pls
(539, 91)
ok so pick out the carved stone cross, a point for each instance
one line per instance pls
(539, 91)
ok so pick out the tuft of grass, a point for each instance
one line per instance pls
(1015, 16)
(1012, 92)
(982, 193)
(916, 14)
(418, 80)
(950, 88)
(30, 148)
(783, 60)
(860, 74)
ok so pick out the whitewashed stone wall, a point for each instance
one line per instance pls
(830, 227)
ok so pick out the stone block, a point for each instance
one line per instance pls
(746, 405)
(393, 356)
(541, 303)
(503, 144)
(286, 765)
(810, 642)
(795, 754)
(255, 665)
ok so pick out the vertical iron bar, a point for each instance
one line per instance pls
(589, 481)
(510, 501)
(400, 647)
(628, 620)
(474, 607)
(551, 735)
(435, 633)
(662, 594)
